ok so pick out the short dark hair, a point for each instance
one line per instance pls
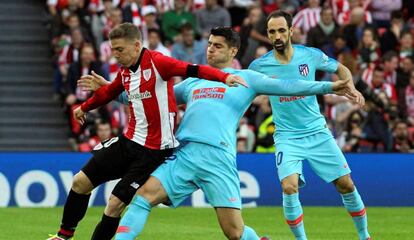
(231, 36)
(154, 30)
(127, 31)
(325, 8)
(279, 13)
(186, 27)
(396, 14)
(388, 56)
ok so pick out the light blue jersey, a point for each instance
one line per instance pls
(214, 110)
(296, 117)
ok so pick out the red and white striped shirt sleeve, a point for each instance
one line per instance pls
(169, 67)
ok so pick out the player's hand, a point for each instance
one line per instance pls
(92, 82)
(234, 81)
(346, 88)
(79, 115)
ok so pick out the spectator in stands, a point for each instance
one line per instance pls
(403, 77)
(381, 11)
(353, 31)
(264, 141)
(289, 6)
(69, 54)
(75, 95)
(369, 52)
(323, 33)
(308, 17)
(406, 44)
(245, 137)
(103, 133)
(252, 34)
(174, 19)
(401, 142)
(345, 17)
(376, 129)
(211, 16)
(409, 101)
(390, 39)
(115, 18)
(102, 21)
(189, 50)
(338, 46)
(110, 65)
(150, 21)
(131, 12)
(349, 141)
(154, 42)
(390, 67)
(379, 85)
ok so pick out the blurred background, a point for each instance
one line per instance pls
(45, 46)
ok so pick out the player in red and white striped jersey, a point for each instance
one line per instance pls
(145, 76)
(308, 17)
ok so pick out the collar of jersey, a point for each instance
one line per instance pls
(134, 68)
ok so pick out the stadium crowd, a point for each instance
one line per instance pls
(373, 38)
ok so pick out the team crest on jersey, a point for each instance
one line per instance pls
(147, 74)
(126, 78)
(304, 69)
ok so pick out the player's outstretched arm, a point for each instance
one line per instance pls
(263, 84)
(169, 67)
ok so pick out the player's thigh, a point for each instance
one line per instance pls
(289, 158)
(326, 158)
(219, 179)
(107, 163)
(143, 162)
(177, 175)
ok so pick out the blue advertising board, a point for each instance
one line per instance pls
(44, 179)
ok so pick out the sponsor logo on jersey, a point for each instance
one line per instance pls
(304, 69)
(215, 92)
(140, 96)
(290, 99)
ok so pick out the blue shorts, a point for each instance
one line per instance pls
(320, 149)
(200, 166)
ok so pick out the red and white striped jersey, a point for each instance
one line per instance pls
(151, 96)
(307, 19)
(345, 17)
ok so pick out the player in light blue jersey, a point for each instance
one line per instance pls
(301, 130)
(206, 159)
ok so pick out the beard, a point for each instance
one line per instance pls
(280, 46)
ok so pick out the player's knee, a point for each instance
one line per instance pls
(290, 188)
(153, 192)
(345, 185)
(233, 233)
(115, 207)
(81, 184)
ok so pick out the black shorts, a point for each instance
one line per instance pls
(122, 158)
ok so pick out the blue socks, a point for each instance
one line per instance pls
(249, 234)
(353, 203)
(294, 215)
(134, 219)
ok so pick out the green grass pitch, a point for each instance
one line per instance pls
(200, 223)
